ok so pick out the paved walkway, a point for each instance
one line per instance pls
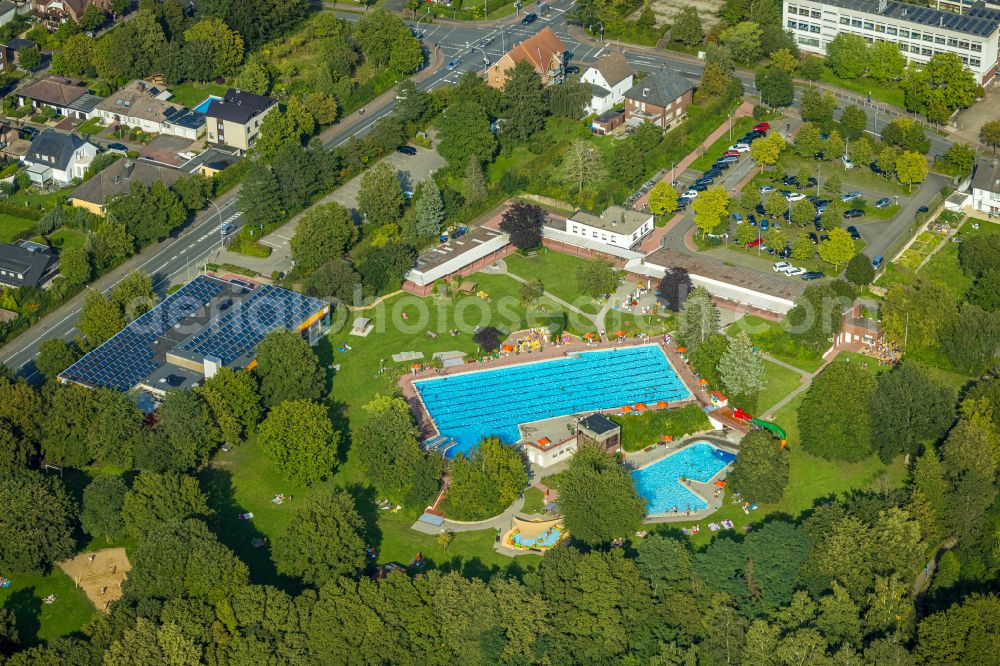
(806, 381)
(501, 269)
(502, 522)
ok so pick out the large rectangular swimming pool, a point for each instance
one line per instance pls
(473, 405)
(659, 484)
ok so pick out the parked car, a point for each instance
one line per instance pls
(877, 261)
(719, 164)
(848, 164)
(732, 153)
(795, 196)
(691, 194)
(790, 181)
(572, 69)
(855, 234)
(874, 167)
(811, 182)
(460, 231)
(700, 187)
(923, 209)
(407, 150)
(766, 189)
(884, 202)
(740, 147)
(853, 213)
(850, 196)
(812, 275)
(684, 200)
(794, 270)
(780, 266)
(529, 19)
(737, 218)
(764, 225)
(824, 237)
(762, 126)
(705, 180)
(760, 209)
(755, 242)
(752, 220)
(730, 159)
(814, 238)
(119, 147)
(786, 252)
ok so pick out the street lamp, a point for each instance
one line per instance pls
(672, 179)
(602, 28)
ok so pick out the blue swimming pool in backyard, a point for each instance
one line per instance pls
(203, 107)
(473, 405)
(658, 483)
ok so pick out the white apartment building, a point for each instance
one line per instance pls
(616, 226)
(919, 31)
(986, 186)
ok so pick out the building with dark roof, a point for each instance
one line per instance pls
(67, 96)
(662, 98)
(608, 78)
(208, 324)
(235, 119)
(986, 186)
(8, 10)
(59, 157)
(920, 32)
(26, 264)
(117, 178)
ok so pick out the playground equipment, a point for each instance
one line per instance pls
(761, 423)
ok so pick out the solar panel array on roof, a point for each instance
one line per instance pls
(978, 20)
(127, 358)
(238, 332)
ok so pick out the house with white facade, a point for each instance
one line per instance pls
(920, 31)
(608, 78)
(617, 226)
(144, 105)
(57, 156)
(986, 186)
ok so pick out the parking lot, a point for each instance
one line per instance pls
(412, 170)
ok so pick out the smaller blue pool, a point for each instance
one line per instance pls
(546, 539)
(203, 107)
(659, 483)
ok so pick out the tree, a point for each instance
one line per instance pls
(325, 232)
(963, 633)
(746, 234)
(775, 204)
(29, 58)
(706, 359)
(914, 314)
(288, 368)
(816, 317)
(259, 199)
(803, 212)
(188, 429)
(598, 498)
(802, 248)
(336, 280)
(743, 40)
(103, 500)
(159, 501)
(687, 27)
(833, 186)
(960, 159)
(596, 278)
(674, 287)
(523, 224)
(569, 99)
(147, 643)
(776, 239)
(847, 55)
(54, 356)
(474, 182)
(134, 295)
(968, 456)
(979, 254)
(886, 161)
(464, 130)
(299, 438)
(834, 420)
(767, 150)
(853, 121)
(785, 59)
(226, 44)
(818, 106)
(885, 62)
(234, 403)
(761, 469)
(531, 291)
(860, 270)
(255, 76)
(909, 408)
(775, 86)
(715, 79)
(838, 249)
(582, 164)
(523, 102)
(862, 151)
(486, 481)
(324, 540)
(77, 56)
(969, 338)
(811, 68)
(99, 319)
(989, 134)
(488, 338)
(37, 521)
(940, 86)
(911, 167)
(429, 209)
(699, 319)
(663, 198)
(741, 370)
(985, 292)
(74, 265)
(710, 209)
(627, 163)
(380, 198)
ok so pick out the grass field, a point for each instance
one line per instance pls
(557, 271)
(38, 622)
(780, 382)
(886, 92)
(192, 93)
(13, 227)
(69, 237)
(642, 430)
(534, 500)
(740, 127)
(770, 337)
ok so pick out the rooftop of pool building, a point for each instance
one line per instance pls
(469, 406)
(659, 483)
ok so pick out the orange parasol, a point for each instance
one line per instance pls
(681, 350)
(626, 409)
(620, 334)
(703, 381)
(588, 336)
(639, 406)
(415, 366)
(508, 348)
(666, 438)
(662, 403)
(720, 483)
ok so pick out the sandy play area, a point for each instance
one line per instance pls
(666, 9)
(99, 574)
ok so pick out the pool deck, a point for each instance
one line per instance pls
(552, 351)
(728, 441)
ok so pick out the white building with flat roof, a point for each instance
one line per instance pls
(617, 226)
(919, 31)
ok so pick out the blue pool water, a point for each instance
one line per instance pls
(543, 540)
(473, 405)
(203, 107)
(658, 484)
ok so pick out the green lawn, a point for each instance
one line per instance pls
(653, 324)
(557, 271)
(66, 238)
(740, 127)
(31, 198)
(13, 227)
(642, 430)
(885, 92)
(534, 500)
(89, 127)
(770, 337)
(191, 94)
(780, 382)
(38, 622)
